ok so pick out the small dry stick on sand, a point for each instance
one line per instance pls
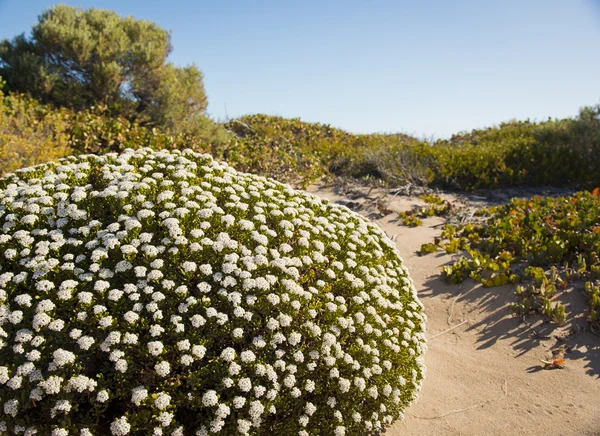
(448, 330)
(474, 406)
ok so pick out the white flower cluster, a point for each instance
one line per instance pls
(172, 295)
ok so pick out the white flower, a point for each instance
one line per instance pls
(23, 300)
(244, 426)
(138, 395)
(228, 354)
(199, 351)
(121, 365)
(106, 321)
(210, 398)
(247, 356)
(162, 400)
(238, 402)
(56, 325)
(85, 342)
(61, 358)
(245, 384)
(206, 269)
(81, 383)
(256, 410)
(4, 374)
(102, 396)
(294, 338)
(15, 382)
(123, 266)
(344, 385)
(155, 348)
(130, 338)
(85, 297)
(204, 287)
(156, 330)
(15, 317)
(120, 426)
(131, 317)
(162, 368)
(115, 294)
(60, 406)
(340, 431)
(183, 345)
(309, 386)
(52, 384)
(373, 392)
(234, 368)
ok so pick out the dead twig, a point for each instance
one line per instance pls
(448, 330)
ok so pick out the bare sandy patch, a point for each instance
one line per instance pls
(484, 375)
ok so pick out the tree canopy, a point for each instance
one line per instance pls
(81, 58)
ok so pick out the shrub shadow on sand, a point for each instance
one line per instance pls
(497, 323)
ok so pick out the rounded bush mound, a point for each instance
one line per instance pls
(163, 293)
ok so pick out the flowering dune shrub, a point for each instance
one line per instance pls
(163, 293)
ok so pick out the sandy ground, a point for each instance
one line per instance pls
(484, 375)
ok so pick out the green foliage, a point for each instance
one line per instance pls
(83, 58)
(455, 244)
(528, 240)
(593, 292)
(513, 153)
(427, 248)
(436, 207)
(460, 270)
(292, 150)
(432, 199)
(30, 133)
(95, 131)
(409, 218)
(537, 296)
(507, 155)
(285, 149)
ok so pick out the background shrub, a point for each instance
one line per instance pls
(30, 133)
(555, 152)
(79, 59)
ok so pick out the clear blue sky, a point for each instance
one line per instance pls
(429, 68)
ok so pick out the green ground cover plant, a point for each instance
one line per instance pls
(409, 218)
(436, 206)
(162, 292)
(548, 244)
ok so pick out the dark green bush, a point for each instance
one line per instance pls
(555, 152)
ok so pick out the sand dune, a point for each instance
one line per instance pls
(484, 375)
